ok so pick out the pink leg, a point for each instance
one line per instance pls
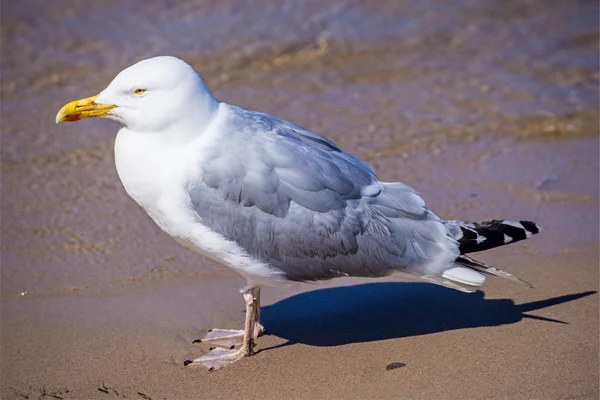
(218, 358)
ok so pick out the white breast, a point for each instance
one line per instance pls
(156, 175)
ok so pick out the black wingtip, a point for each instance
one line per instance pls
(531, 226)
(479, 236)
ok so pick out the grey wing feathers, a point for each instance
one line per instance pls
(276, 162)
(296, 201)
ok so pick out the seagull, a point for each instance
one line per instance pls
(272, 200)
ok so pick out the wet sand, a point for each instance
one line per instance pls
(488, 109)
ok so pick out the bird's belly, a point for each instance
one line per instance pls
(172, 211)
(158, 182)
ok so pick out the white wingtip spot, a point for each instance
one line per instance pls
(515, 224)
(507, 239)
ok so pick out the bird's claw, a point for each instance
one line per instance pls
(218, 358)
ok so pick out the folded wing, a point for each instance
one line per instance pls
(295, 200)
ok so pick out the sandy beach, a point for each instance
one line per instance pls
(488, 109)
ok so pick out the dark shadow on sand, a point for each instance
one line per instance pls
(377, 311)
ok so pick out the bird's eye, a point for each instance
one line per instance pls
(139, 92)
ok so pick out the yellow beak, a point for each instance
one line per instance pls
(80, 109)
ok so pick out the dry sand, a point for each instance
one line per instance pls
(489, 109)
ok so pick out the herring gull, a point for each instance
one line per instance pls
(271, 199)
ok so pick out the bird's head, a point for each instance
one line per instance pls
(152, 95)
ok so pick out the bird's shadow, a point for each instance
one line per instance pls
(377, 311)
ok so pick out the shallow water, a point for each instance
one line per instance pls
(489, 109)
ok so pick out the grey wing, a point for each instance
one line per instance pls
(293, 199)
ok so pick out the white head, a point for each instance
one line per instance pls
(153, 95)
